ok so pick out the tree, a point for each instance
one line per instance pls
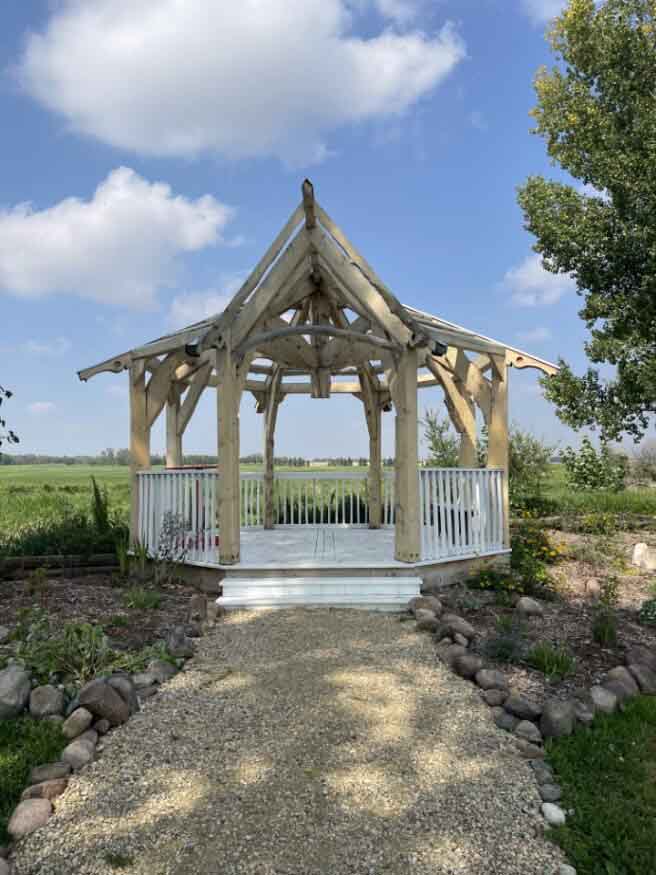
(442, 443)
(6, 434)
(597, 113)
(529, 459)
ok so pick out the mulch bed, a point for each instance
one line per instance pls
(94, 598)
(567, 620)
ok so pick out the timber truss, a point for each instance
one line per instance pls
(314, 318)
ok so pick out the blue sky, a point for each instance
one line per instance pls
(152, 150)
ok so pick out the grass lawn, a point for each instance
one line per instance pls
(24, 743)
(608, 776)
(638, 501)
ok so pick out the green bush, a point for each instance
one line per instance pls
(604, 627)
(24, 743)
(496, 581)
(441, 441)
(554, 661)
(508, 644)
(532, 553)
(141, 599)
(647, 613)
(588, 468)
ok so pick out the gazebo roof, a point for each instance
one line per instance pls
(313, 307)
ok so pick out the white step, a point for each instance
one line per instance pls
(381, 593)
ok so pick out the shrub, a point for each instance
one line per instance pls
(588, 468)
(529, 462)
(141, 599)
(552, 660)
(442, 443)
(604, 627)
(99, 507)
(508, 644)
(497, 581)
(598, 523)
(532, 552)
(647, 613)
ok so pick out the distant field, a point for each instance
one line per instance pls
(629, 501)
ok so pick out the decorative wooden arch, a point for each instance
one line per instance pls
(314, 308)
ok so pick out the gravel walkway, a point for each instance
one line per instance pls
(320, 741)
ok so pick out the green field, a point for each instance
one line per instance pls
(565, 499)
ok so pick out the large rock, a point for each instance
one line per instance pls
(426, 620)
(641, 655)
(80, 720)
(522, 707)
(528, 607)
(494, 698)
(143, 679)
(28, 816)
(644, 557)
(161, 669)
(467, 664)
(15, 688)
(425, 603)
(78, 753)
(550, 792)
(49, 772)
(557, 719)
(543, 772)
(530, 751)
(621, 682)
(603, 700)
(457, 625)
(554, 815)
(126, 690)
(528, 731)
(645, 678)
(46, 701)
(451, 652)
(46, 789)
(104, 701)
(584, 713)
(504, 720)
(177, 643)
(491, 679)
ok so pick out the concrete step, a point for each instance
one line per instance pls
(376, 593)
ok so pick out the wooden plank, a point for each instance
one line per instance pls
(228, 397)
(173, 433)
(115, 364)
(498, 439)
(191, 399)
(158, 386)
(139, 441)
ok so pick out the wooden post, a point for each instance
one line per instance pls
(139, 440)
(228, 504)
(173, 433)
(467, 455)
(270, 417)
(498, 455)
(373, 416)
(403, 386)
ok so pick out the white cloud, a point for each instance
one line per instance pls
(57, 347)
(534, 335)
(117, 247)
(163, 77)
(41, 408)
(541, 11)
(533, 286)
(400, 11)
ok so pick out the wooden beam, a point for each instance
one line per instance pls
(173, 433)
(228, 504)
(158, 386)
(308, 204)
(191, 399)
(139, 442)
(498, 448)
(266, 337)
(115, 365)
(270, 417)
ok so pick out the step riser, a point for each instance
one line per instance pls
(387, 593)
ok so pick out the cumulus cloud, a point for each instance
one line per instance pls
(117, 247)
(57, 347)
(400, 11)
(534, 335)
(195, 306)
(533, 286)
(162, 77)
(541, 11)
(41, 408)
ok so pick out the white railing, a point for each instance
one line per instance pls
(461, 512)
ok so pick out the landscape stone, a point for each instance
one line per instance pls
(550, 792)
(102, 727)
(178, 644)
(645, 678)
(491, 679)
(49, 772)
(46, 701)
(425, 603)
(530, 751)
(583, 713)
(126, 690)
(553, 814)
(426, 621)
(15, 688)
(460, 639)
(214, 611)
(522, 707)
(147, 692)
(593, 588)
(494, 698)
(46, 789)
(452, 652)
(78, 753)
(603, 700)
(557, 719)
(28, 816)
(5, 632)
(621, 682)
(641, 655)
(467, 664)
(566, 870)
(197, 612)
(528, 731)
(77, 723)
(504, 720)
(457, 625)
(543, 772)
(90, 735)
(644, 557)
(529, 607)
(143, 679)
(104, 701)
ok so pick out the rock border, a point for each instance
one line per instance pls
(532, 722)
(99, 706)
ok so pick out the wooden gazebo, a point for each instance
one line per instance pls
(314, 318)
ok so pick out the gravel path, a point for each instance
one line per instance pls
(318, 741)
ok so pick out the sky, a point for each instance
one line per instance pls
(152, 150)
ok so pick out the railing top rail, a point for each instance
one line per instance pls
(307, 474)
(464, 470)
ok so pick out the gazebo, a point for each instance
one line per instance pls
(314, 318)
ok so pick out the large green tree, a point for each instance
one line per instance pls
(6, 434)
(596, 110)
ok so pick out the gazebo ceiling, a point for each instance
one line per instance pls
(314, 308)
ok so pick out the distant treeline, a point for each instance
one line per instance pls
(122, 457)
